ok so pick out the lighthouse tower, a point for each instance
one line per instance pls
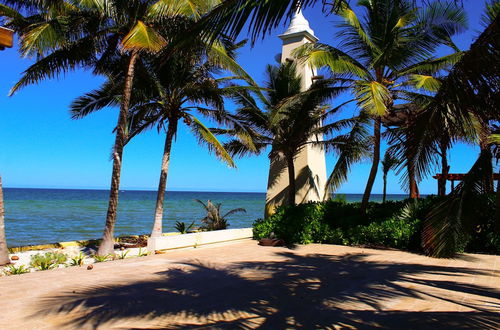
(310, 163)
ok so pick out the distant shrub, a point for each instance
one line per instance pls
(48, 260)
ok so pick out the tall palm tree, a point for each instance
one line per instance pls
(388, 163)
(171, 90)
(4, 252)
(286, 122)
(386, 55)
(68, 34)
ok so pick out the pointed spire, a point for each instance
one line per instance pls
(299, 25)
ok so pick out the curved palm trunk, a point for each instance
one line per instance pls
(4, 252)
(375, 163)
(107, 244)
(384, 193)
(413, 182)
(445, 168)
(291, 180)
(162, 185)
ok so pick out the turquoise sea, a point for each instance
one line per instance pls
(37, 216)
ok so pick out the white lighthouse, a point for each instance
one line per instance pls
(310, 163)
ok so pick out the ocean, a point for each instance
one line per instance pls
(38, 216)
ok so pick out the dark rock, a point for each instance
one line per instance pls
(90, 267)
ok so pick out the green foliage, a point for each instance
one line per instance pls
(141, 253)
(182, 228)
(214, 220)
(78, 260)
(48, 260)
(13, 270)
(122, 255)
(99, 258)
(395, 224)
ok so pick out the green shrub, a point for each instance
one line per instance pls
(78, 260)
(98, 258)
(396, 224)
(13, 270)
(48, 260)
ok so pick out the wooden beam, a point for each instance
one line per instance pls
(6, 37)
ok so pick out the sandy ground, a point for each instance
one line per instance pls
(242, 285)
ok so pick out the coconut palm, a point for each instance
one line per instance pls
(90, 34)
(386, 55)
(286, 121)
(214, 220)
(166, 95)
(4, 252)
(468, 97)
(388, 163)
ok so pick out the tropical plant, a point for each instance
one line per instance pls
(122, 255)
(214, 220)
(174, 88)
(4, 252)
(48, 260)
(387, 55)
(92, 34)
(468, 101)
(98, 258)
(388, 163)
(78, 260)
(182, 228)
(286, 122)
(141, 253)
(15, 270)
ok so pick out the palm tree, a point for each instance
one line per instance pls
(172, 89)
(287, 121)
(468, 98)
(89, 34)
(4, 252)
(214, 220)
(388, 163)
(386, 56)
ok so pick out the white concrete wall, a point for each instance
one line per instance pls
(198, 239)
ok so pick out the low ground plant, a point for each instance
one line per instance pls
(48, 260)
(78, 260)
(99, 258)
(15, 270)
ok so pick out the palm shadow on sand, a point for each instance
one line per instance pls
(313, 291)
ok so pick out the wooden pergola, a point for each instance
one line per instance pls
(6, 38)
(459, 177)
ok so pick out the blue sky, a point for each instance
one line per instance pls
(41, 147)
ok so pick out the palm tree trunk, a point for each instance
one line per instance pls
(4, 252)
(384, 194)
(107, 244)
(444, 169)
(291, 180)
(162, 185)
(413, 181)
(497, 204)
(375, 163)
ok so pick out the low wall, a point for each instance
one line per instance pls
(198, 239)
